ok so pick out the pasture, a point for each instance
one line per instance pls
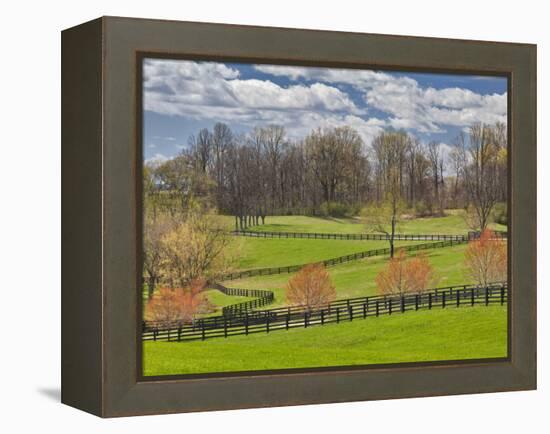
(463, 333)
(450, 334)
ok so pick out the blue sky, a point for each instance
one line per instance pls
(180, 97)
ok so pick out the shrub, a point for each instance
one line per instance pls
(486, 259)
(311, 287)
(405, 276)
(179, 304)
(500, 214)
(338, 209)
(421, 209)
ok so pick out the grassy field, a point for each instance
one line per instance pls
(220, 300)
(452, 223)
(450, 334)
(356, 279)
(274, 252)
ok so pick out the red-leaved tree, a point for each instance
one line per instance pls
(179, 304)
(406, 276)
(486, 259)
(311, 287)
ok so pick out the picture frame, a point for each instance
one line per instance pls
(101, 216)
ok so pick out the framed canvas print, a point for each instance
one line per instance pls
(260, 217)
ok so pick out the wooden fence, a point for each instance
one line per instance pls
(262, 297)
(364, 237)
(340, 311)
(339, 260)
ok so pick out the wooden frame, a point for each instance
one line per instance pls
(101, 216)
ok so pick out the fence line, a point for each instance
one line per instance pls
(340, 311)
(364, 237)
(263, 297)
(339, 260)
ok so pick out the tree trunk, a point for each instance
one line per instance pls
(150, 287)
(392, 236)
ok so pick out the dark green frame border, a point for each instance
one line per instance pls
(101, 230)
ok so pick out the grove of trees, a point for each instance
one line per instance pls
(330, 171)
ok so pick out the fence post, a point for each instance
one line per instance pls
(416, 302)
(364, 310)
(350, 312)
(402, 304)
(155, 332)
(203, 336)
(287, 320)
(486, 296)
(473, 300)
(168, 334)
(430, 300)
(443, 299)
(502, 295)
(246, 323)
(389, 307)
(225, 327)
(458, 298)
(377, 307)
(305, 319)
(322, 317)
(337, 315)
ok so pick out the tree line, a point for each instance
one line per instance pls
(332, 171)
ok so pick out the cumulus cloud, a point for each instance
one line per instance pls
(408, 105)
(213, 90)
(366, 100)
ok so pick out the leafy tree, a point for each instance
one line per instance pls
(195, 248)
(486, 259)
(405, 276)
(179, 304)
(310, 287)
(166, 306)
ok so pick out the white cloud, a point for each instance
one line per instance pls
(207, 90)
(200, 91)
(217, 92)
(408, 105)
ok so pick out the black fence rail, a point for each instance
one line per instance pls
(339, 260)
(351, 237)
(364, 237)
(262, 298)
(340, 311)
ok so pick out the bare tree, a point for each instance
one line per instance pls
(202, 149)
(481, 174)
(221, 139)
(330, 153)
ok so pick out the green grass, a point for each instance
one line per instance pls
(220, 300)
(452, 223)
(356, 279)
(274, 252)
(449, 334)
